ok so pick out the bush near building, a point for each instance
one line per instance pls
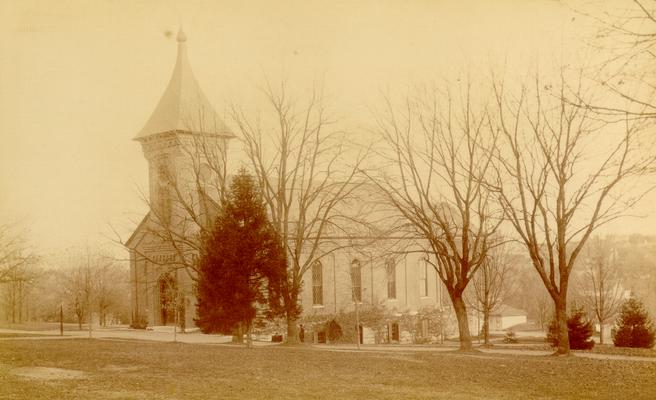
(579, 329)
(423, 326)
(634, 328)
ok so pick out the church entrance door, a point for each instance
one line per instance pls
(167, 290)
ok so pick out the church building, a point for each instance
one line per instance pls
(163, 247)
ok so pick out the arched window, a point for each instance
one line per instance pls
(317, 283)
(391, 279)
(356, 280)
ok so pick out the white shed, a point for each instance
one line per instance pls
(505, 317)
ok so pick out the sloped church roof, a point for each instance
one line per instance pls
(183, 106)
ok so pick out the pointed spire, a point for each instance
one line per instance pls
(183, 106)
(182, 37)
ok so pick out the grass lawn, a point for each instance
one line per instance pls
(149, 370)
(622, 351)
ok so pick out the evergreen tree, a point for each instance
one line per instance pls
(634, 327)
(242, 264)
(579, 330)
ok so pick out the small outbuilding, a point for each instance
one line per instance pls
(506, 317)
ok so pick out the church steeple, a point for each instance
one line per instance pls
(181, 38)
(184, 107)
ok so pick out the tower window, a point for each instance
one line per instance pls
(164, 203)
(163, 182)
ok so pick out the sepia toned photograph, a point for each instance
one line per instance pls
(365, 199)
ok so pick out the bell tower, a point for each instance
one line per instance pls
(181, 136)
(185, 143)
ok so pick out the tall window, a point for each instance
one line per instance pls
(423, 279)
(356, 280)
(163, 192)
(391, 279)
(317, 283)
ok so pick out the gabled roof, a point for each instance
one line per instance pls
(138, 233)
(183, 106)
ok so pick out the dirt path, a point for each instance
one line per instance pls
(123, 334)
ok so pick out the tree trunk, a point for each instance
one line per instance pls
(463, 322)
(357, 325)
(13, 303)
(486, 327)
(20, 301)
(292, 331)
(563, 334)
(601, 332)
(238, 335)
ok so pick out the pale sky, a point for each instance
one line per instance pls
(79, 79)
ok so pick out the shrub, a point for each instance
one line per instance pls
(510, 337)
(334, 331)
(378, 319)
(374, 318)
(139, 323)
(423, 340)
(579, 329)
(634, 328)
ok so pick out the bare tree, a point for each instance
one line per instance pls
(17, 271)
(74, 292)
(532, 296)
(438, 151)
(491, 285)
(562, 174)
(542, 305)
(91, 280)
(355, 280)
(14, 254)
(18, 286)
(602, 290)
(304, 168)
(624, 46)
(110, 289)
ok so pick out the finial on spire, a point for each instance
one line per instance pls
(181, 35)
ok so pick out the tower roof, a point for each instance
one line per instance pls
(183, 106)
